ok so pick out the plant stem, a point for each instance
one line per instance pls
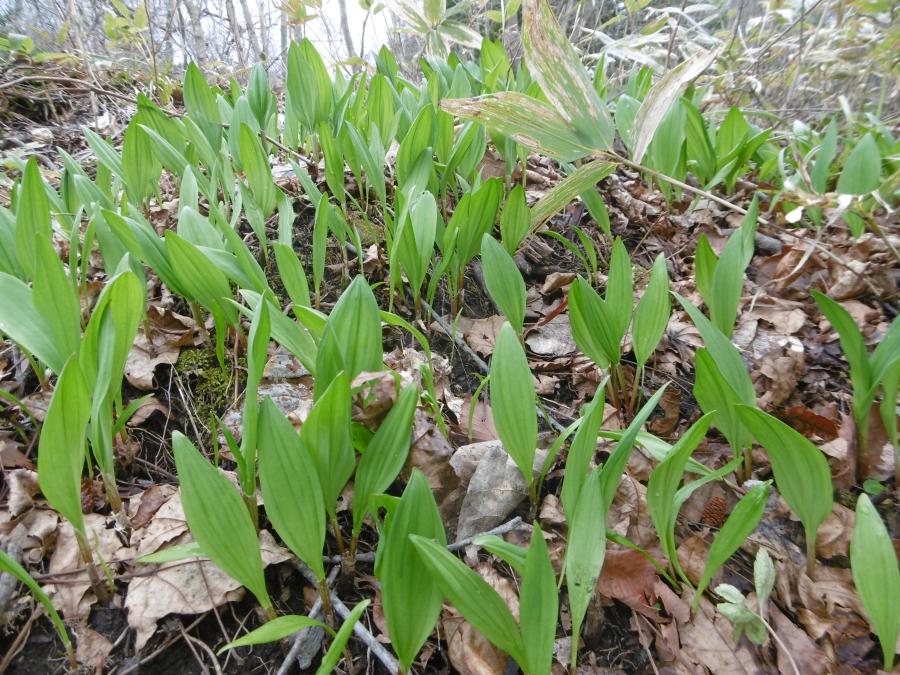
(198, 319)
(325, 594)
(810, 555)
(348, 561)
(336, 530)
(748, 463)
(250, 502)
(100, 590)
(638, 375)
(532, 498)
(862, 448)
(45, 386)
(613, 391)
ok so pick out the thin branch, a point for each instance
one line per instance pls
(506, 527)
(65, 80)
(382, 654)
(307, 641)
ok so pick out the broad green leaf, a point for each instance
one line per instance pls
(310, 92)
(611, 472)
(705, 262)
(861, 172)
(504, 281)
(585, 550)
(725, 355)
(139, 165)
(200, 101)
(819, 174)
(321, 227)
(480, 604)
(596, 207)
(740, 524)
(592, 325)
(876, 575)
(26, 326)
(731, 133)
(291, 492)
(334, 162)
(700, 151)
(204, 282)
(554, 64)
(652, 313)
(417, 140)
(513, 400)
(626, 110)
(333, 655)
(852, 345)
(415, 241)
(257, 353)
(55, 298)
(218, 519)
(289, 334)
(584, 445)
(515, 221)
(201, 280)
(123, 298)
(800, 469)
(474, 216)
(411, 598)
(619, 293)
(506, 551)
(173, 554)
(292, 274)
(260, 97)
(386, 454)
(718, 398)
(538, 605)
(258, 172)
(105, 152)
(352, 338)
(326, 435)
(62, 444)
(275, 630)
(728, 278)
(32, 215)
(664, 483)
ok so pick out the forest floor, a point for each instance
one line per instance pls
(171, 618)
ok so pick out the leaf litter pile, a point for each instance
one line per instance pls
(683, 459)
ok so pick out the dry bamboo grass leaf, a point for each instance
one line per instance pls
(661, 97)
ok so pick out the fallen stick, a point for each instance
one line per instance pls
(382, 654)
(508, 526)
(307, 641)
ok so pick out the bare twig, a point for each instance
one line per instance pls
(190, 639)
(506, 527)
(382, 654)
(307, 641)
(738, 209)
(65, 80)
